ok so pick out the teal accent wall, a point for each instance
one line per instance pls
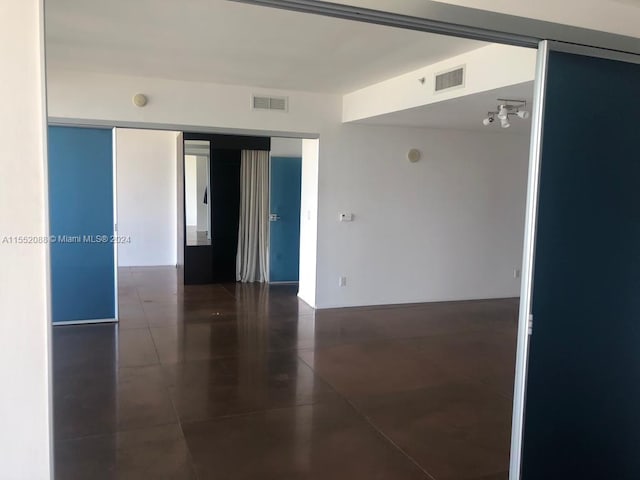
(284, 245)
(80, 162)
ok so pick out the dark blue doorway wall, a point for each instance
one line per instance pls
(284, 237)
(582, 414)
(81, 217)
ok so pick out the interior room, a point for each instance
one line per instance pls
(390, 350)
(393, 356)
(410, 236)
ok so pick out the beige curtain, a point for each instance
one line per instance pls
(252, 260)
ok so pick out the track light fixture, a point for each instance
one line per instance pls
(506, 109)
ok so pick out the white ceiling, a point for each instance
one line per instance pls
(227, 42)
(463, 113)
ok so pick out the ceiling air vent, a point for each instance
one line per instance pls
(450, 79)
(260, 102)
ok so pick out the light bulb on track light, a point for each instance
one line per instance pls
(506, 111)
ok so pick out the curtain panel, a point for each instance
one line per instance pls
(252, 260)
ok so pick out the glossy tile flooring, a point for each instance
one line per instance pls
(239, 382)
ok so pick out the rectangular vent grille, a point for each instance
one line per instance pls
(450, 79)
(280, 104)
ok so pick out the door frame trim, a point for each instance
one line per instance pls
(116, 243)
(390, 19)
(460, 21)
(528, 256)
(591, 51)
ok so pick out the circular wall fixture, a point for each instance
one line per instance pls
(139, 100)
(414, 155)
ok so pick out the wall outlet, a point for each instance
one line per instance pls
(516, 273)
(342, 281)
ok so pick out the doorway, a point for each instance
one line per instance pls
(215, 193)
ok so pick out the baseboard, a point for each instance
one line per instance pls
(409, 303)
(305, 302)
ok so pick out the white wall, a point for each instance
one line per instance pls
(286, 147)
(100, 97)
(449, 227)
(309, 221)
(487, 68)
(422, 232)
(147, 199)
(25, 408)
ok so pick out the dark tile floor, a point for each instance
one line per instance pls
(234, 382)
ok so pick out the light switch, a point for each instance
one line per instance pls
(346, 217)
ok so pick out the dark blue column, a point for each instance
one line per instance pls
(582, 413)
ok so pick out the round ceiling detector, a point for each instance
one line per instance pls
(414, 155)
(139, 100)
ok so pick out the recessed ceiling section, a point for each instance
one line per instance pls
(232, 43)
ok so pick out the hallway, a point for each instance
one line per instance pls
(238, 382)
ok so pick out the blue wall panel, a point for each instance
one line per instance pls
(81, 223)
(582, 417)
(284, 243)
